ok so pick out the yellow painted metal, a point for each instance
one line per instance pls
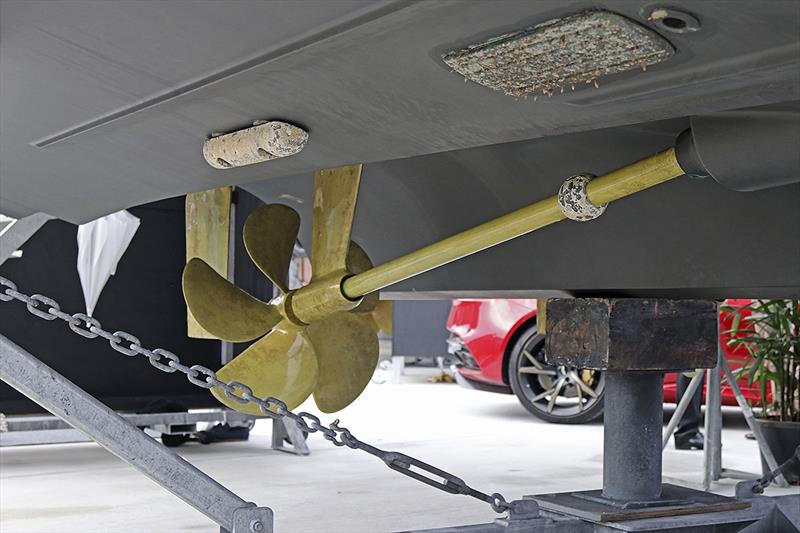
(473, 240)
(346, 346)
(335, 193)
(633, 178)
(358, 261)
(269, 236)
(323, 296)
(613, 186)
(382, 316)
(282, 365)
(221, 308)
(320, 298)
(541, 315)
(208, 215)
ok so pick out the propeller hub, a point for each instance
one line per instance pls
(320, 298)
(283, 302)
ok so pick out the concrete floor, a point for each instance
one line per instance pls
(487, 439)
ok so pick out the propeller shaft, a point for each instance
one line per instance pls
(620, 183)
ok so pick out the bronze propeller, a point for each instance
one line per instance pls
(330, 354)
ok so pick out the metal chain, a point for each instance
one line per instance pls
(166, 361)
(784, 468)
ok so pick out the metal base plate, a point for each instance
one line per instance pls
(597, 497)
(588, 505)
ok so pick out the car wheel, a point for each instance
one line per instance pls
(560, 394)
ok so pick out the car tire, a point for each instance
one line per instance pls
(571, 406)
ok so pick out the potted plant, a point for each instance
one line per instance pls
(770, 332)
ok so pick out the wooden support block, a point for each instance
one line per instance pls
(632, 333)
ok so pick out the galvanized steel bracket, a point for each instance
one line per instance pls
(252, 519)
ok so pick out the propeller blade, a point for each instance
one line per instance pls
(269, 236)
(382, 316)
(358, 262)
(223, 309)
(335, 194)
(346, 345)
(281, 365)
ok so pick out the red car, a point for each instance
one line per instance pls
(496, 347)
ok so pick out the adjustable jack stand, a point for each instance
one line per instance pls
(635, 341)
(69, 402)
(633, 497)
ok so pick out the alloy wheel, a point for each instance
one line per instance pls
(556, 391)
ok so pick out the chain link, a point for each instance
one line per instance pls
(166, 361)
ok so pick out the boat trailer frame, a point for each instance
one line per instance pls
(60, 396)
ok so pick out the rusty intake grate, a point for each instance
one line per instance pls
(560, 54)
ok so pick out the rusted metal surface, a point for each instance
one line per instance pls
(632, 333)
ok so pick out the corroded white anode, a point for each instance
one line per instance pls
(575, 203)
(263, 142)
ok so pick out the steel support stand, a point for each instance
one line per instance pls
(751, 422)
(283, 431)
(681, 408)
(712, 460)
(632, 421)
(69, 402)
(712, 449)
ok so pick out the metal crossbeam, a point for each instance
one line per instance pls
(66, 400)
(48, 423)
